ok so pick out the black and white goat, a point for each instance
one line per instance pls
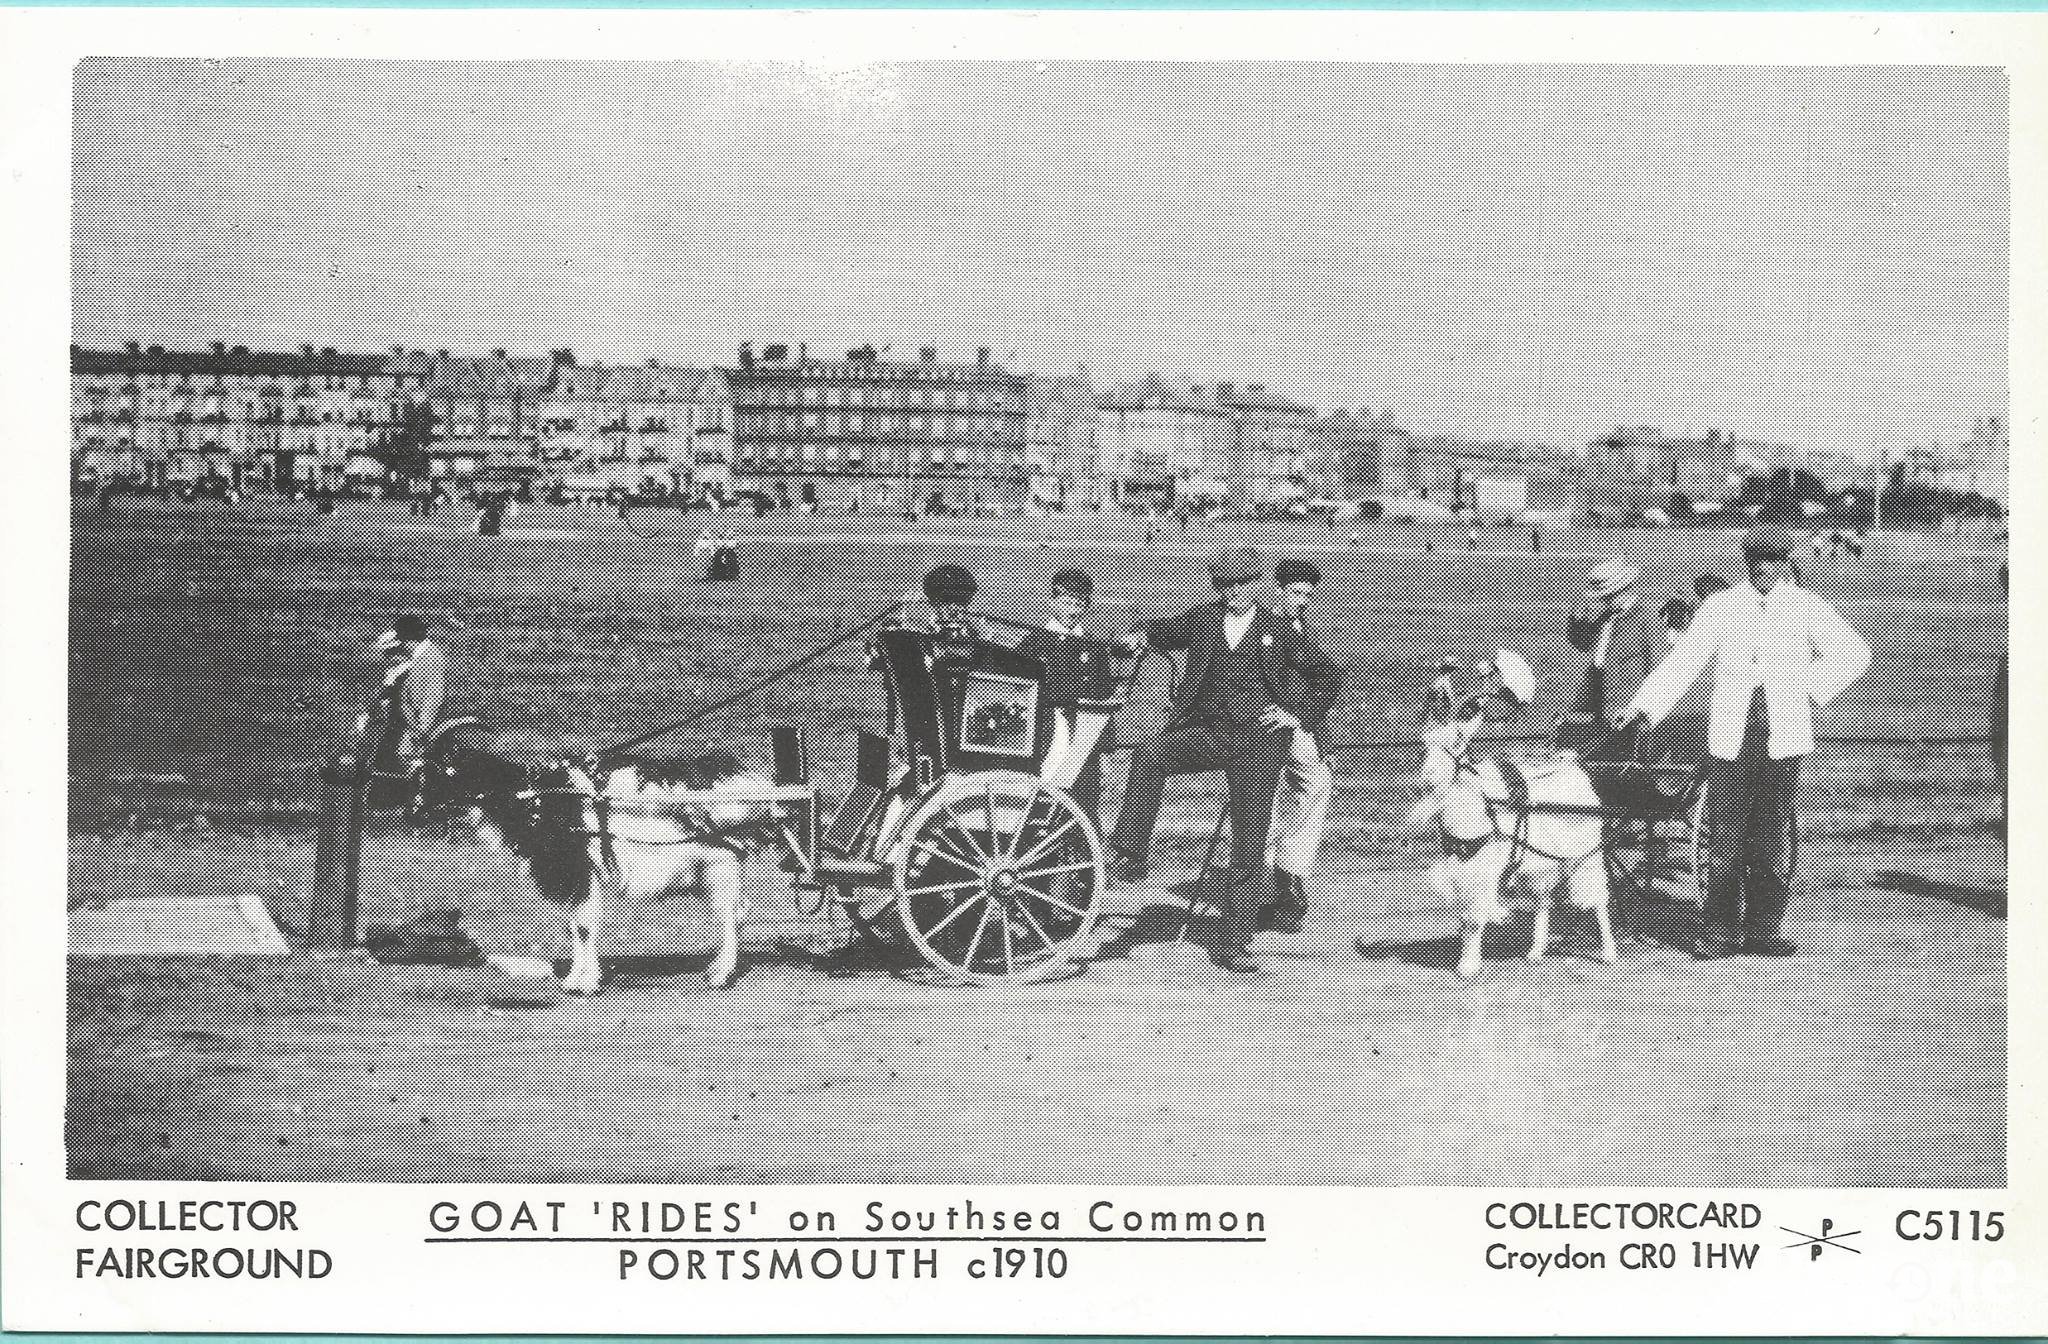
(647, 829)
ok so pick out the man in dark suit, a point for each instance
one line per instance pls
(1250, 684)
(1611, 626)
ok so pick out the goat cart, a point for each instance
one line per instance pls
(959, 843)
(960, 837)
(1655, 821)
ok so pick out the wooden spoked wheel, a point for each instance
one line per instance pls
(1658, 858)
(1700, 847)
(999, 878)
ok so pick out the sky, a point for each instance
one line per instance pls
(1537, 253)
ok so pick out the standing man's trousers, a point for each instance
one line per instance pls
(1750, 803)
(1301, 807)
(1251, 759)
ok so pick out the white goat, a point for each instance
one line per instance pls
(1548, 841)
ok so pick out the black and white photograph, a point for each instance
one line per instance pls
(1116, 623)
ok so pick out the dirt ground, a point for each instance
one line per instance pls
(224, 652)
(1877, 1058)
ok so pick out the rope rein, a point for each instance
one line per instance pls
(698, 715)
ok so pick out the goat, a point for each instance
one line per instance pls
(650, 829)
(1551, 843)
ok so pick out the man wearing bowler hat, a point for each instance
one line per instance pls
(1779, 653)
(1612, 627)
(1251, 682)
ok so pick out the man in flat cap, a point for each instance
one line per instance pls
(1779, 653)
(1302, 806)
(1250, 684)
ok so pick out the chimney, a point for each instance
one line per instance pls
(220, 348)
(981, 357)
(565, 358)
(653, 363)
(497, 354)
(1225, 391)
(398, 352)
(928, 355)
(135, 347)
(803, 352)
(441, 354)
(305, 352)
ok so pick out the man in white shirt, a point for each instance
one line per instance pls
(1779, 653)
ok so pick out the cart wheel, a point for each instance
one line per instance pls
(1699, 849)
(999, 878)
(1633, 854)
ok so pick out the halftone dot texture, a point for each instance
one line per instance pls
(1472, 262)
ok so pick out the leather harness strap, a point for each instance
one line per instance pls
(1517, 804)
(1465, 850)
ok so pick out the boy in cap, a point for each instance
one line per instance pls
(1078, 670)
(1251, 682)
(1779, 653)
(1301, 807)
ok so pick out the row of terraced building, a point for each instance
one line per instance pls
(844, 431)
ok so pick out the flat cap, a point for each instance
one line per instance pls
(1294, 569)
(1074, 583)
(1771, 540)
(950, 585)
(1237, 564)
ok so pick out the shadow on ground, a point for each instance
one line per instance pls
(1666, 924)
(1985, 900)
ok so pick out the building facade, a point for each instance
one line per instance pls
(1159, 442)
(1268, 461)
(1060, 441)
(322, 418)
(661, 427)
(1639, 467)
(1980, 464)
(485, 413)
(157, 417)
(866, 433)
(1245, 447)
(1346, 450)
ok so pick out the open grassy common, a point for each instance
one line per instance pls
(218, 655)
